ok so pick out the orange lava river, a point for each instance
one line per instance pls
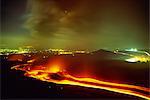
(57, 75)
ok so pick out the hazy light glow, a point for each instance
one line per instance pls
(132, 60)
(138, 58)
(132, 49)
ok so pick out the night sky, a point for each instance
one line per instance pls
(75, 24)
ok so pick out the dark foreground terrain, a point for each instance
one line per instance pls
(16, 85)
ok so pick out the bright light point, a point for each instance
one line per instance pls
(143, 59)
(132, 60)
(132, 49)
(138, 58)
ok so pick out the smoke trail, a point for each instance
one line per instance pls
(43, 19)
(64, 23)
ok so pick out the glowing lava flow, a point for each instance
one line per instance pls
(56, 75)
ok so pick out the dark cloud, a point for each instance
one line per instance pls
(88, 23)
(50, 17)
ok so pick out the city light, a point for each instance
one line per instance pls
(132, 60)
(132, 49)
(138, 59)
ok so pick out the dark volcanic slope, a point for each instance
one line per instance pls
(16, 85)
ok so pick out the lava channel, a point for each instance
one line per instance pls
(58, 76)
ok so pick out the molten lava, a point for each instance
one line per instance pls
(55, 74)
